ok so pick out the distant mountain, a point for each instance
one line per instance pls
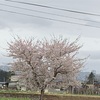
(5, 67)
(82, 76)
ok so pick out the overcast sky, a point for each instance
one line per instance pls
(25, 26)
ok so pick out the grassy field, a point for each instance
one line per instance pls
(60, 97)
(48, 96)
(57, 97)
(14, 98)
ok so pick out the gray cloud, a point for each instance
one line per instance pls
(92, 65)
(93, 55)
(43, 28)
(92, 62)
(14, 20)
(3, 25)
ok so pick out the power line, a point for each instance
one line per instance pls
(49, 13)
(46, 18)
(51, 7)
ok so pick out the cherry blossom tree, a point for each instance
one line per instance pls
(41, 62)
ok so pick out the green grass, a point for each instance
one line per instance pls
(58, 97)
(14, 98)
(16, 91)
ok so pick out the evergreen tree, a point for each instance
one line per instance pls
(5, 75)
(91, 78)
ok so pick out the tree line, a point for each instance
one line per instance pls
(5, 75)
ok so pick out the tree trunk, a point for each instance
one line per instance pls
(42, 94)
